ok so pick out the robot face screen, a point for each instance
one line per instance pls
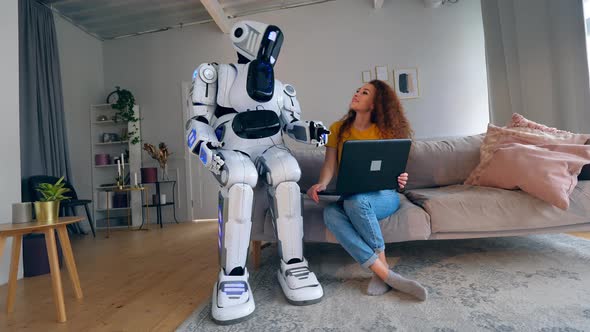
(261, 81)
(271, 43)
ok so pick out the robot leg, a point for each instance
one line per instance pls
(282, 172)
(232, 299)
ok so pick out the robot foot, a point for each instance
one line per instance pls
(232, 300)
(299, 284)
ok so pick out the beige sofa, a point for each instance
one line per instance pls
(435, 204)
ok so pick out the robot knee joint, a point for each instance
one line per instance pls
(237, 169)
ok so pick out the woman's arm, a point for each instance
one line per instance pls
(326, 174)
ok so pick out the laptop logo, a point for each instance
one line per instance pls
(375, 165)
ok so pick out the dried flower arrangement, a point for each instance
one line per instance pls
(160, 154)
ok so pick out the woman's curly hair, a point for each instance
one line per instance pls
(388, 114)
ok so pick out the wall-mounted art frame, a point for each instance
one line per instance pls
(367, 76)
(406, 82)
(382, 73)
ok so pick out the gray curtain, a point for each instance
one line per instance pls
(537, 62)
(43, 140)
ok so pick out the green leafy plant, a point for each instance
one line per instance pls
(53, 192)
(124, 106)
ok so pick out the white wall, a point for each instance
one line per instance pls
(538, 62)
(9, 126)
(326, 48)
(81, 60)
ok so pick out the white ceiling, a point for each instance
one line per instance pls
(110, 19)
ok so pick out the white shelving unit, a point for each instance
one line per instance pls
(103, 176)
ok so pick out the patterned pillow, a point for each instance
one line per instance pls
(519, 121)
(546, 171)
(499, 136)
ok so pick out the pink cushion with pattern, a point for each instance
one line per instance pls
(525, 155)
(546, 171)
(498, 136)
(519, 121)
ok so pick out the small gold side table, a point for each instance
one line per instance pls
(128, 189)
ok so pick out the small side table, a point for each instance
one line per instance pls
(128, 189)
(17, 231)
(158, 206)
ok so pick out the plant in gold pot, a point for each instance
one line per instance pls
(47, 208)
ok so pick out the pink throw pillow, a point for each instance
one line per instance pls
(498, 136)
(547, 171)
(519, 121)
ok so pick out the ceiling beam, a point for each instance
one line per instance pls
(218, 15)
(378, 3)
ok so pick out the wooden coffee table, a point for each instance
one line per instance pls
(17, 231)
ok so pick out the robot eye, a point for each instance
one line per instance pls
(239, 32)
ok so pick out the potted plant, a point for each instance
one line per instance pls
(123, 101)
(47, 209)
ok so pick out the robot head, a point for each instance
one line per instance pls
(255, 40)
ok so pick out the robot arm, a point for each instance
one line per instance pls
(201, 138)
(310, 132)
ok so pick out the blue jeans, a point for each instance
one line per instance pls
(354, 221)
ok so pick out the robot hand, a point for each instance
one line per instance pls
(202, 141)
(318, 133)
(210, 158)
(310, 132)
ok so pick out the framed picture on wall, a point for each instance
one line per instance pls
(381, 73)
(406, 82)
(367, 76)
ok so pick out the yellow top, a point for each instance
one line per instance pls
(354, 134)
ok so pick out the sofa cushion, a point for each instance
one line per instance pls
(498, 136)
(434, 163)
(548, 172)
(464, 208)
(310, 161)
(409, 223)
(455, 159)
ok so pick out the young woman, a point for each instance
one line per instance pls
(375, 113)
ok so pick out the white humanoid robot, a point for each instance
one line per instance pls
(239, 114)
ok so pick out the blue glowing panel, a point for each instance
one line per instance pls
(220, 225)
(203, 156)
(234, 288)
(192, 136)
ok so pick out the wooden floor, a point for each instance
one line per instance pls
(132, 281)
(585, 235)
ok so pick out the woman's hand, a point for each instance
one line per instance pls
(313, 191)
(402, 179)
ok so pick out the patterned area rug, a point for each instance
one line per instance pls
(534, 283)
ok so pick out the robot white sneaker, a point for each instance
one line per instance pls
(299, 284)
(232, 300)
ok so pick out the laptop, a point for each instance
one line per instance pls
(371, 165)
